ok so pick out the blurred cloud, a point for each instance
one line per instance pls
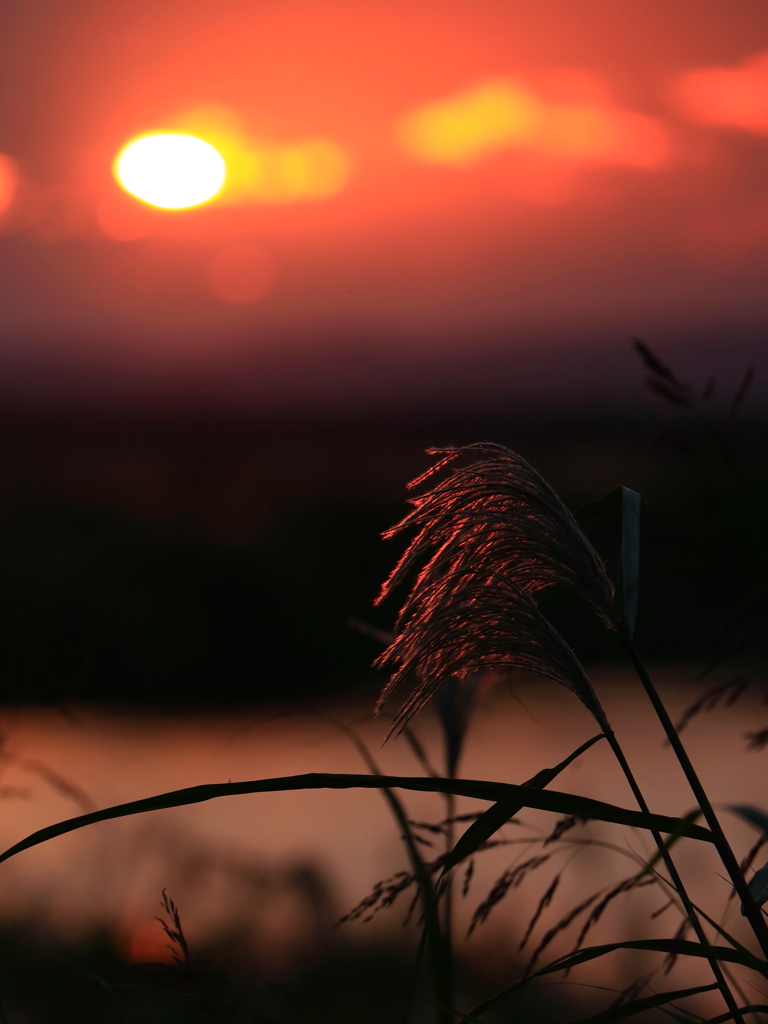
(264, 171)
(495, 115)
(507, 114)
(735, 96)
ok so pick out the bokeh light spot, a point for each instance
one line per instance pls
(8, 181)
(171, 170)
(241, 273)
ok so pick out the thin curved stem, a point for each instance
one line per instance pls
(751, 910)
(675, 878)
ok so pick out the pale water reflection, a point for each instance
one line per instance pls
(274, 871)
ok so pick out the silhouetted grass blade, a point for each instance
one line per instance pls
(527, 796)
(690, 817)
(500, 813)
(631, 503)
(433, 940)
(624, 1010)
(570, 960)
(609, 504)
(627, 503)
(753, 815)
(681, 948)
(752, 1008)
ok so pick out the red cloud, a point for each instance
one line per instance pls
(732, 96)
(507, 114)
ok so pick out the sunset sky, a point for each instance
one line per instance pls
(419, 195)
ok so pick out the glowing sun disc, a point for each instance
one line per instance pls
(171, 170)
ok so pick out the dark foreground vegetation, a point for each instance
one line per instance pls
(98, 599)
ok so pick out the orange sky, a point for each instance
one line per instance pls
(420, 177)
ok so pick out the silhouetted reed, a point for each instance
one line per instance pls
(496, 515)
(467, 622)
(490, 536)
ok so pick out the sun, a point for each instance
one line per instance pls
(171, 170)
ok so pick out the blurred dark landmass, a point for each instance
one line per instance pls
(90, 982)
(195, 559)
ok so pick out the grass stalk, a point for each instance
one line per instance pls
(675, 877)
(434, 942)
(450, 804)
(752, 912)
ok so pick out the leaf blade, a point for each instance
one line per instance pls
(627, 503)
(752, 815)
(636, 1006)
(682, 947)
(499, 813)
(754, 1008)
(569, 960)
(631, 505)
(544, 799)
(593, 511)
